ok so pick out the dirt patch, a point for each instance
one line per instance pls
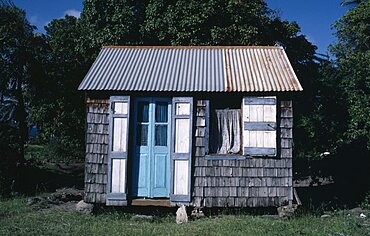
(64, 199)
(67, 195)
(65, 206)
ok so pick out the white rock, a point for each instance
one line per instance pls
(181, 215)
(84, 207)
(325, 216)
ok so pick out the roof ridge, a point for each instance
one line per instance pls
(194, 47)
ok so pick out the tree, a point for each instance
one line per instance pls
(57, 105)
(179, 22)
(341, 105)
(218, 22)
(340, 121)
(352, 63)
(352, 60)
(110, 22)
(16, 49)
(206, 23)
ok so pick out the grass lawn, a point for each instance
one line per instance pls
(16, 218)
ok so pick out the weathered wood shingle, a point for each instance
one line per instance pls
(96, 168)
(253, 182)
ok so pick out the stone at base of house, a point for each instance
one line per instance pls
(181, 215)
(197, 213)
(287, 211)
(84, 207)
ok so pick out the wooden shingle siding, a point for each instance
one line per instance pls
(253, 182)
(96, 168)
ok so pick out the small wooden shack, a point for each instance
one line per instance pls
(202, 126)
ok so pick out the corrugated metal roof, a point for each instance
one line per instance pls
(191, 69)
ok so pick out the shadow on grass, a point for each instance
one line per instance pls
(350, 170)
(36, 179)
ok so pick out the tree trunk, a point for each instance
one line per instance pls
(22, 123)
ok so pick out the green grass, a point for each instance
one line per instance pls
(16, 218)
(33, 151)
(54, 152)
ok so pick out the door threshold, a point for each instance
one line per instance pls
(151, 202)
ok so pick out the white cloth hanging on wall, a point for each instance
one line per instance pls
(225, 134)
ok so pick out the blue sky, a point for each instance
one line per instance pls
(315, 17)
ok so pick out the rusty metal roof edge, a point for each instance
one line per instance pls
(300, 88)
(118, 91)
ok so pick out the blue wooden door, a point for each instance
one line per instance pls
(151, 164)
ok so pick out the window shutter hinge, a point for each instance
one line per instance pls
(272, 126)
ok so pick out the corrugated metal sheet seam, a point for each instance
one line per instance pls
(192, 69)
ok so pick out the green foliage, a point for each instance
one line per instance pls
(340, 114)
(206, 23)
(111, 22)
(211, 22)
(57, 150)
(57, 106)
(339, 122)
(320, 129)
(366, 202)
(16, 49)
(352, 60)
(33, 151)
(216, 22)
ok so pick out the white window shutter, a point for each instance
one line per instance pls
(259, 126)
(182, 123)
(119, 115)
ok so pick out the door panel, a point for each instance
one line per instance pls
(160, 167)
(141, 177)
(160, 171)
(152, 160)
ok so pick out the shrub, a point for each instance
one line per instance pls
(62, 151)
